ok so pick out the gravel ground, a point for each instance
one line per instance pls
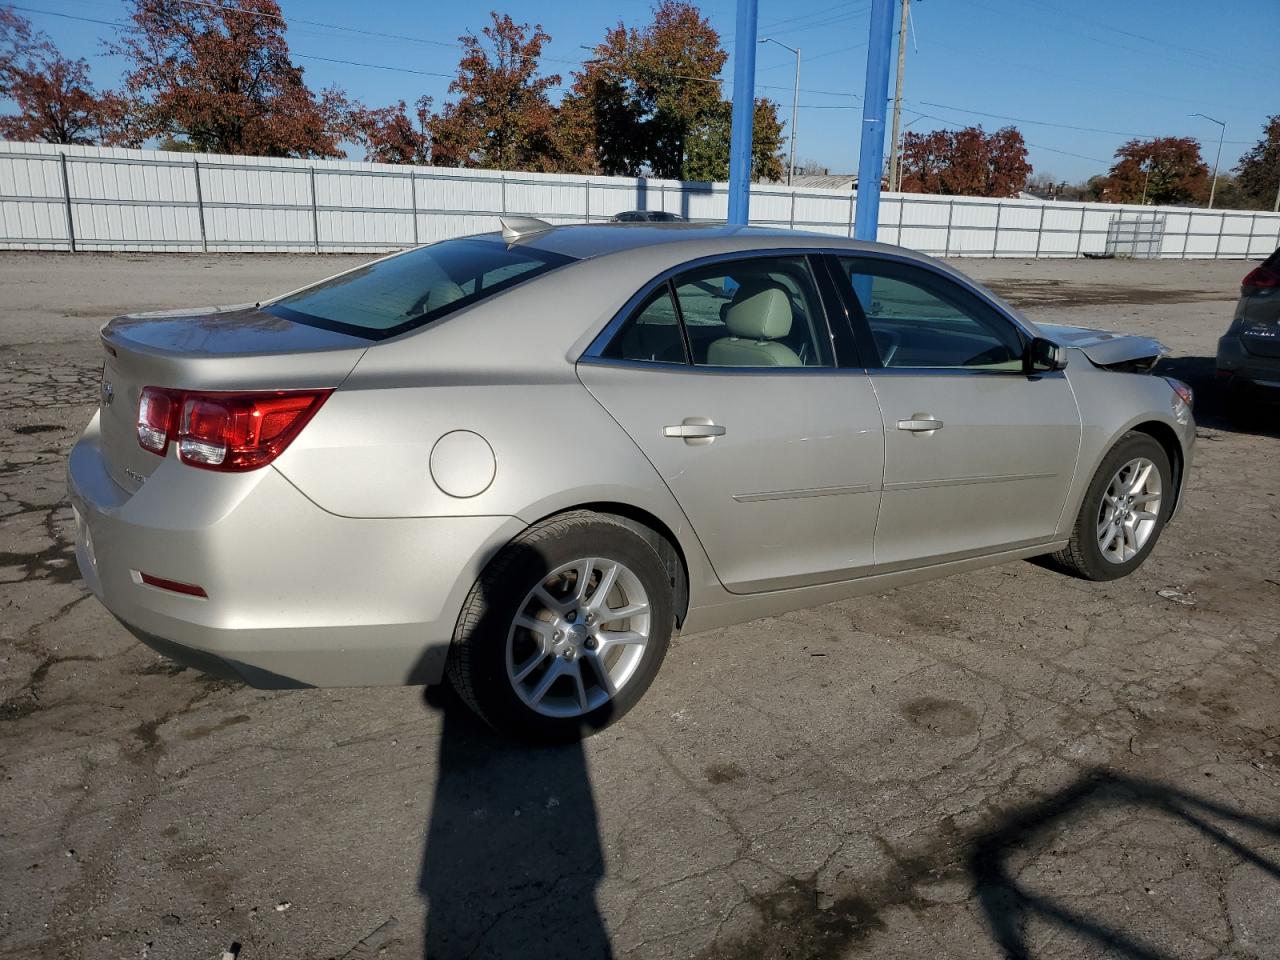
(1010, 763)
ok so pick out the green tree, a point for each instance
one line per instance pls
(1259, 169)
(707, 148)
(649, 101)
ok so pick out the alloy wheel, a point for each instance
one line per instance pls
(578, 637)
(1129, 510)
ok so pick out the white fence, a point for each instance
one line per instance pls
(102, 198)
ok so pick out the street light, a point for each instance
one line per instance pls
(1221, 133)
(795, 100)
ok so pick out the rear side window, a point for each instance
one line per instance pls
(763, 312)
(401, 293)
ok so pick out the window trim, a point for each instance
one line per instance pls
(862, 328)
(812, 255)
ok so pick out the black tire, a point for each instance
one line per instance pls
(477, 667)
(1083, 556)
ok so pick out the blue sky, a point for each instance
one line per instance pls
(1126, 67)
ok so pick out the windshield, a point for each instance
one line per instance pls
(401, 293)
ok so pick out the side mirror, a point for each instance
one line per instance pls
(1043, 356)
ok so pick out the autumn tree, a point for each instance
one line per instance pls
(707, 146)
(389, 135)
(1259, 169)
(1163, 169)
(56, 100)
(965, 162)
(219, 76)
(502, 118)
(649, 100)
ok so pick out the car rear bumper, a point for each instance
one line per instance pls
(1244, 368)
(296, 596)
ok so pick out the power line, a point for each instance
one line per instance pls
(1050, 123)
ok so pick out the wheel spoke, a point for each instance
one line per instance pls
(620, 639)
(534, 662)
(534, 625)
(552, 675)
(607, 579)
(624, 613)
(1145, 498)
(584, 578)
(1110, 538)
(602, 672)
(544, 597)
(1143, 515)
(578, 682)
(1140, 480)
(1130, 542)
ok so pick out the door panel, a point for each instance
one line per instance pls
(788, 493)
(978, 456)
(995, 474)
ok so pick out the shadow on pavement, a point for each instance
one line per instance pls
(513, 851)
(1008, 905)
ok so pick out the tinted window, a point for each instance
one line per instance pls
(652, 333)
(400, 293)
(919, 319)
(754, 313)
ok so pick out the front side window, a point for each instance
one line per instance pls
(401, 293)
(919, 319)
(754, 313)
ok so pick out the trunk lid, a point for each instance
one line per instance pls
(1105, 349)
(217, 348)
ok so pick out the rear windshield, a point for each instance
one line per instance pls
(400, 293)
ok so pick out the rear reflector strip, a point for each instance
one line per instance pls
(175, 586)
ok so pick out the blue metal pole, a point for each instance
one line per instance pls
(876, 93)
(744, 108)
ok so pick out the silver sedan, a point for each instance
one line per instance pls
(524, 459)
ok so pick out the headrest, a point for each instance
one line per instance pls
(442, 293)
(760, 313)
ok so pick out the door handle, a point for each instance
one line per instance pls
(694, 431)
(920, 423)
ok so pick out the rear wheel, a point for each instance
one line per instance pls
(565, 629)
(1123, 512)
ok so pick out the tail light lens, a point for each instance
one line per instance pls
(232, 432)
(1263, 276)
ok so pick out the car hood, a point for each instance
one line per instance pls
(1106, 349)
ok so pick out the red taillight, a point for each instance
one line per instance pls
(1263, 276)
(224, 431)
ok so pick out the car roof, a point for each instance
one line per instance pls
(588, 241)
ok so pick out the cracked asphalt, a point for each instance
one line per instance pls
(1008, 763)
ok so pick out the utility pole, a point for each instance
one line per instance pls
(871, 145)
(894, 162)
(1222, 132)
(795, 102)
(744, 104)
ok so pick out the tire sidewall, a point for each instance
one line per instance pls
(505, 584)
(1129, 447)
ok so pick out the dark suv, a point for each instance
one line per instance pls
(1249, 352)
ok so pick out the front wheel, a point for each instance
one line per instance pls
(1124, 511)
(565, 629)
